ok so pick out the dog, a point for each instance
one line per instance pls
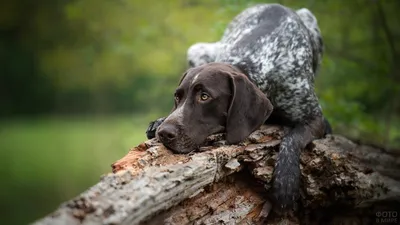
(261, 71)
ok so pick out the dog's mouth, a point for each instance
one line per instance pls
(181, 147)
(181, 144)
(187, 146)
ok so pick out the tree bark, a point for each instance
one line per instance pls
(342, 183)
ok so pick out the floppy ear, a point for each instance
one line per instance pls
(248, 110)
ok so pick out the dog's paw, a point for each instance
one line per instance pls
(153, 125)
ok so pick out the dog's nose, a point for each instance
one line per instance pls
(167, 132)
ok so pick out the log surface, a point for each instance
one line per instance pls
(225, 184)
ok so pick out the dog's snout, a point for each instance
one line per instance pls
(167, 132)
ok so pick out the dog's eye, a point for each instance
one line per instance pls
(204, 96)
(176, 98)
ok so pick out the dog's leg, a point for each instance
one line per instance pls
(286, 176)
(153, 125)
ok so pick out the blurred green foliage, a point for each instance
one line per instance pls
(69, 69)
(46, 161)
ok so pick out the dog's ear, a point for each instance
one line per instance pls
(249, 108)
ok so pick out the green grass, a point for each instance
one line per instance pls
(50, 160)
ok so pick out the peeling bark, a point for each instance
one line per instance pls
(342, 183)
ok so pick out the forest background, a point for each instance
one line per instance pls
(81, 79)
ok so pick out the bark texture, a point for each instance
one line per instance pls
(342, 183)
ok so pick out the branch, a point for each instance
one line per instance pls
(225, 183)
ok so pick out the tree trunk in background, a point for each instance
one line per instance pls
(342, 183)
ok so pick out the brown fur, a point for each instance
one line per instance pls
(235, 106)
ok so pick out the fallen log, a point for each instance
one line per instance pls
(342, 183)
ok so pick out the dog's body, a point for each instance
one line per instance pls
(271, 44)
(267, 58)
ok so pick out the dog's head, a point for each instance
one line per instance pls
(210, 99)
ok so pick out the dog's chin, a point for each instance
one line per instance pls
(183, 150)
(180, 148)
(183, 145)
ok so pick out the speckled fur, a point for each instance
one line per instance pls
(280, 50)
